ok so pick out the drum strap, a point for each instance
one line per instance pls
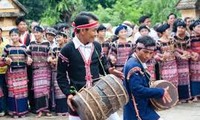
(135, 107)
(100, 62)
(134, 102)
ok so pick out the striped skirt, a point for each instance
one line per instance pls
(169, 71)
(195, 77)
(41, 88)
(184, 79)
(17, 91)
(60, 98)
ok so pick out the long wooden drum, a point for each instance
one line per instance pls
(101, 100)
(159, 103)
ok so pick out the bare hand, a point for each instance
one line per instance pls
(186, 54)
(69, 102)
(8, 60)
(54, 61)
(166, 97)
(113, 59)
(194, 56)
(29, 61)
(116, 72)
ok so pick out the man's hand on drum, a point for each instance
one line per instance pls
(69, 102)
(166, 97)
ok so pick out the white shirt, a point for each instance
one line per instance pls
(86, 50)
(23, 36)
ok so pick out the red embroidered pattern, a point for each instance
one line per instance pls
(64, 59)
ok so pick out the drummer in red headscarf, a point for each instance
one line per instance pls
(82, 59)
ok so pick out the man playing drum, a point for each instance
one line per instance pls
(137, 83)
(82, 59)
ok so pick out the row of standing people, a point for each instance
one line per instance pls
(29, 73)
(175, 60)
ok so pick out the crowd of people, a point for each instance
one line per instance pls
(41, 68)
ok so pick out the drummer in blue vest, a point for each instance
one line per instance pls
(137, 83)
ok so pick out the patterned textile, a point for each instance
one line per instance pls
(41, 74)
(16, 78)
(121, 52)
(183, 45)
(195, 67)
(151, 69)
(168, 67)
(17, 91)
(58, 96)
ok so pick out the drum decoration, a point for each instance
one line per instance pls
(107, 96)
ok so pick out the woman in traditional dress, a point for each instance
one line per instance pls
(182, 53)
(195, 60)
(120, 49)
(166, 56)
(15, 55)
(40, 53)
(61, 107)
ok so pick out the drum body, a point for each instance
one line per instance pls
(101, 100)
(159, 103)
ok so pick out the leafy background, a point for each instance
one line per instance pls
(50, 12)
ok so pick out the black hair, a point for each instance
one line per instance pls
(38, 29)
(147, 41)
(100, 28)
(174, 29)
(143, 27)
(81, 20)
(19, 19)
(162, 28)
(84, 18)
(61, 26)
(171, 14)
(185, 19)
(51, 31)
(62, 34)
(179, 23)
(1, 30)
(143, 18)
(14, 30)
(194, 24)
(92, 16)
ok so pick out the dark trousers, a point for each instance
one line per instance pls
(3, 100)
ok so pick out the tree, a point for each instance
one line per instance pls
(92, 5)
(159, 9)
(35, 13)
(132, 9)
(62, 11)
(122, 10)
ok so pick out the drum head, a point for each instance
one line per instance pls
(159, 103)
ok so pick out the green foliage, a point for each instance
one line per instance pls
(93, 4)
(122, 10)
(159, 9)
(113, 11)
(35, 8)
(132, 9)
